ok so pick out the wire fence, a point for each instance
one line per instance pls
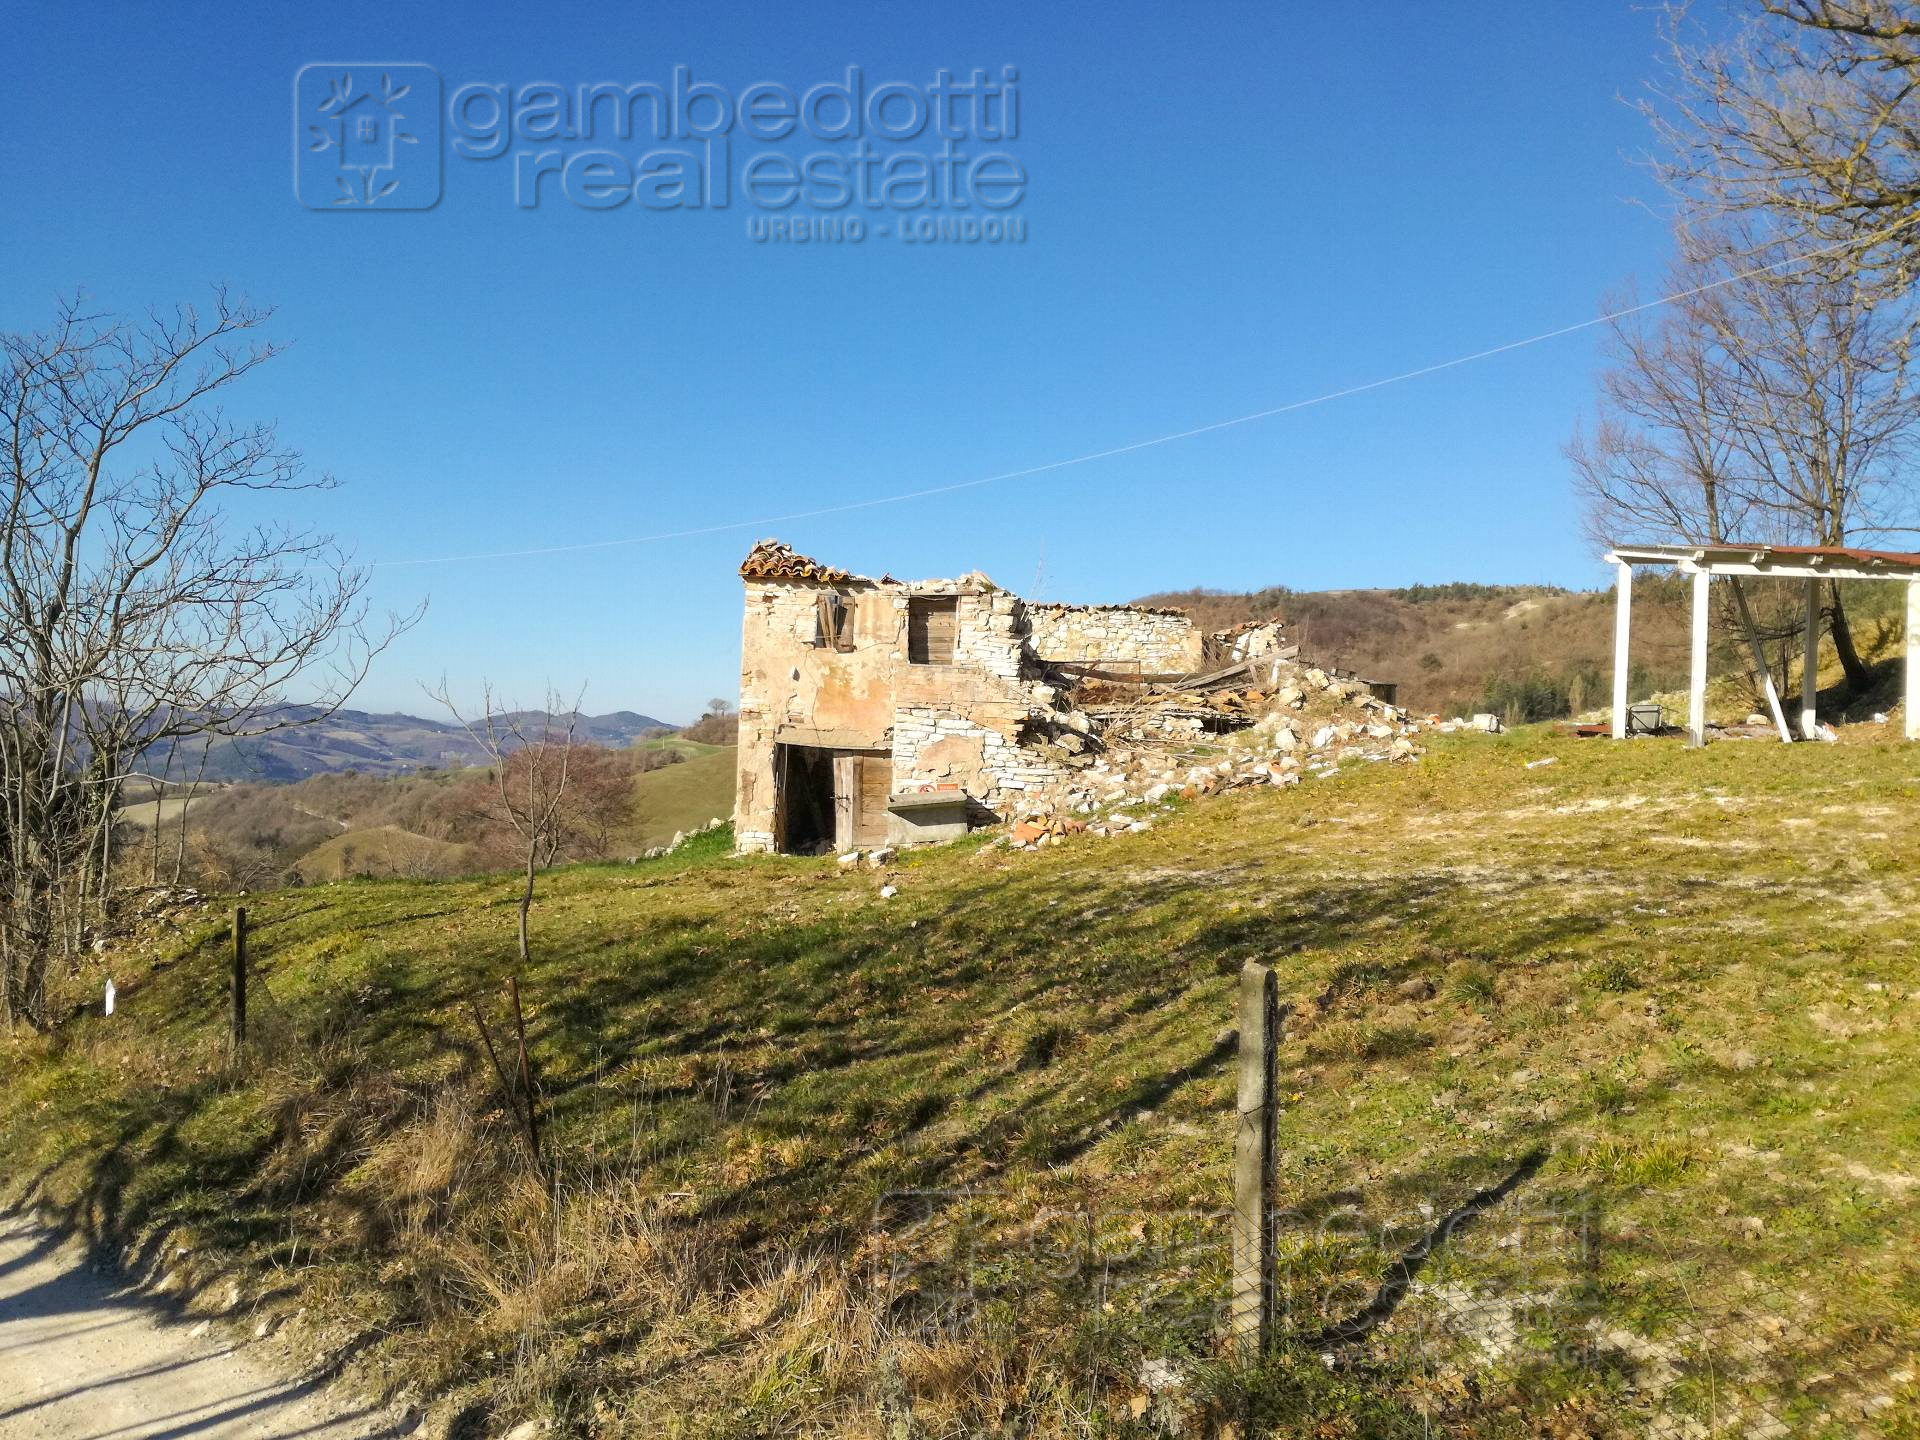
(1528, 1315)
(1506, 1316)
(1518, 1307)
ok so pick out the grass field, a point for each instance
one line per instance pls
(684, 746)
(1602, 1118)
(380, 850)
(142, 815)
(681, 797)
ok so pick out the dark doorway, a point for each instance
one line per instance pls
(806, 800)
(833, 799)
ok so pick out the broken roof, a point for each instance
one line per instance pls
(1076, 609)
(777, 560)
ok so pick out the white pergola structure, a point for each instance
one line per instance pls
(1810, 564)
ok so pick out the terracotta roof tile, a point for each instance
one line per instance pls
(777, 560)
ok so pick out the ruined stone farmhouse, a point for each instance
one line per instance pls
(884, 711)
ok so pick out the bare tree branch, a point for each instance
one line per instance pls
(133, 612)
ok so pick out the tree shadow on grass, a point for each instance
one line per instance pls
(1400, 1276)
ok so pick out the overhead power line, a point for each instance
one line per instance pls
(1341, 394)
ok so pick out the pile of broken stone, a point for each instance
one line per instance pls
(680, 837)
(144, 916)
(1186, 746)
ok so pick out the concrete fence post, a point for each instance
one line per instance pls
(1253, 1162)
(239, 1035)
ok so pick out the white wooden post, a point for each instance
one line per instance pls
(1810, 666)
(1622, 620)
(1697, 674)
(1913, 660)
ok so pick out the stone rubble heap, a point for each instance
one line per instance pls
(143, 917)
(680, 837)
(1162, 745)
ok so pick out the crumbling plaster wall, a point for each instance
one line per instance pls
(1158, 641)
(790, 684)
(962, 724)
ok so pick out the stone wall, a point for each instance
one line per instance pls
(985, 723)
(955, 724)
(984, 758)
(1157, 641)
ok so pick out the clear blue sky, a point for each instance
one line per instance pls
(1228, 208)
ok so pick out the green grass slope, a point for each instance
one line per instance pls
(1600, 1118)
(681, 797)
(381, 851)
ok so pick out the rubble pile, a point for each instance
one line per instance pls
(680, 838)
(1260, 722)
(146, 916)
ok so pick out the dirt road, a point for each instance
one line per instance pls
(82, 1359)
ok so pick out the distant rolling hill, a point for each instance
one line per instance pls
(376, 745)
(382, 850)
(683, 797)
(1532, 652)
(676, 798)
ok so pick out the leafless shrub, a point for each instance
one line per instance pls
(531, 767)
(132, 611)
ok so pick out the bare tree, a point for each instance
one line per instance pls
(1810, 113)
(530, 763)
(719, 726)
(1662, 447)
(133, 610)
(1772, 407)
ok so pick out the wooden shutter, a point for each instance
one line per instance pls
(833, 620)
(932, 625)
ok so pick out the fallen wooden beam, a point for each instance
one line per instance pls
(1215, 678)
(1080, 671)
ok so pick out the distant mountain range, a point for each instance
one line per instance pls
(377, 745)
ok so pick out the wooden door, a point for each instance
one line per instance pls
(875, 790)
(933, 623)
(846, 790)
